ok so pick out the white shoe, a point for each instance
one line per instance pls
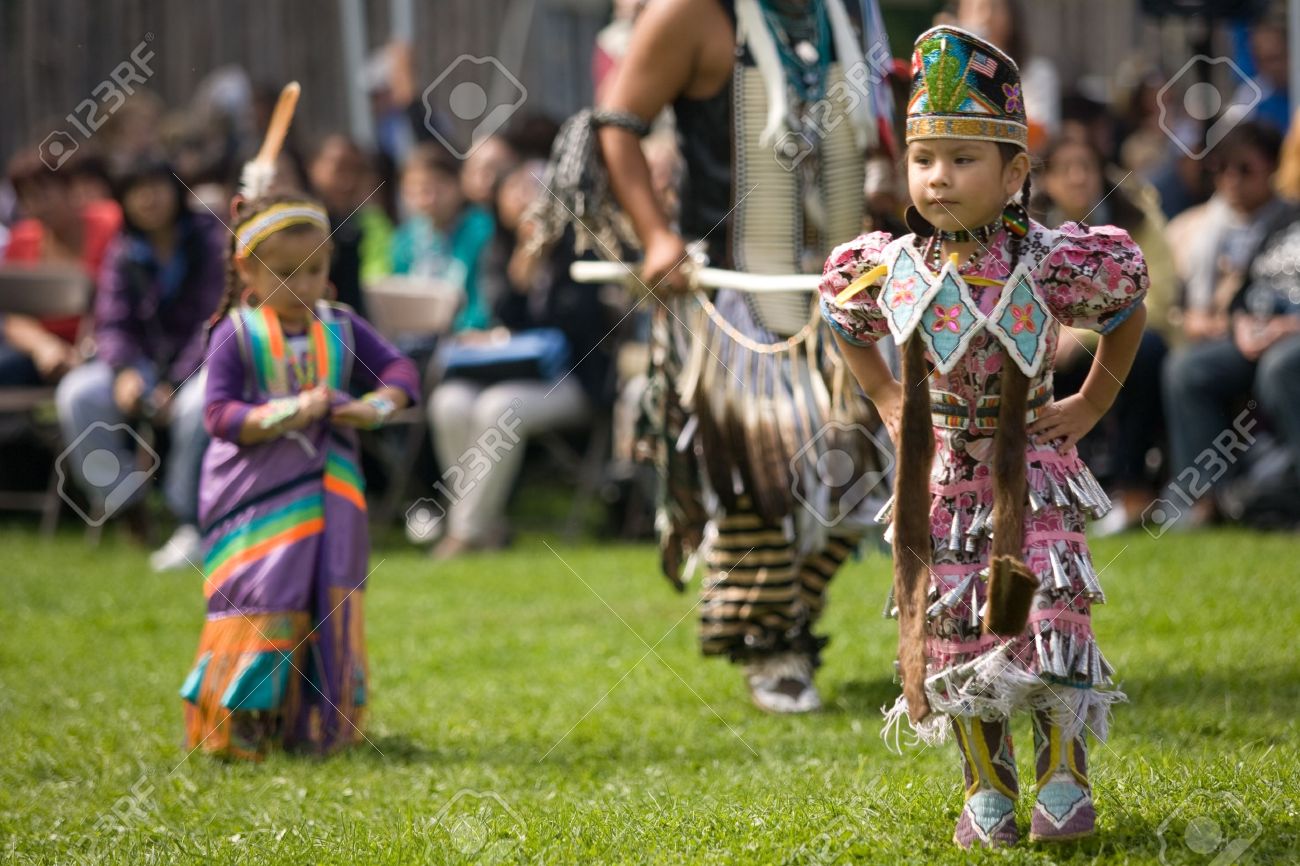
(1115, 522)
(183, 549)
(783, 683)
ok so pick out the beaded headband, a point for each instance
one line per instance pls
(276, 218)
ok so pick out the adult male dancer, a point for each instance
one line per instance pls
(762, 440)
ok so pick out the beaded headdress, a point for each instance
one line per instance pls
(964, 87)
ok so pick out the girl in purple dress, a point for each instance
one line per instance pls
(282, 508)
(993, 580)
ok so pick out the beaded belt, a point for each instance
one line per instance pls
(953, 412)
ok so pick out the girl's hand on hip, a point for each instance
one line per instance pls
(1068, 420)
(888, 400)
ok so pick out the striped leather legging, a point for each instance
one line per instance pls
(759, 596)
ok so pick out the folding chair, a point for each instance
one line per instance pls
(403, 308)
(43, 291)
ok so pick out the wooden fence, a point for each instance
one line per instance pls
(55, 53)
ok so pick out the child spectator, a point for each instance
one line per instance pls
(443, 235)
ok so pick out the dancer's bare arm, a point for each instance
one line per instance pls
(873, 374)
(673, 52)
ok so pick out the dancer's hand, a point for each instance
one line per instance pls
(355, 413)
(662, 269)
(1069, 420)
(313, 404)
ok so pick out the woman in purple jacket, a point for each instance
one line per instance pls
(162, 278)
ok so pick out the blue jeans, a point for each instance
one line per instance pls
(103, 450)
(1204, 380)
(16, 367)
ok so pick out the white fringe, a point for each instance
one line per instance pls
(991, 686)
(754, 34)
(849, 55)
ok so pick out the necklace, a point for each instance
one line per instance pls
(803, 39)
(933, 256)
(304, 367)
(983, 234)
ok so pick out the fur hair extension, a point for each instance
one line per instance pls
(1011, 584)
(912, 525)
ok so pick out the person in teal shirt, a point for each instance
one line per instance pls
(444, 235)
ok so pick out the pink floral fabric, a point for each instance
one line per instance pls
(1087, 277)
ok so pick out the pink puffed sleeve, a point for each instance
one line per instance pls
(859, 319)
(1093, 278)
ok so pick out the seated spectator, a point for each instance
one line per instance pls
(444, 235)
(56, 227)
(1260, 358)
(1268, 57)
(1258, 351)
(88, 171)
(534, 294)
(163, 276)
(361, 232)
(1144, 146)
(485, 166)
(1213, 242)
(1076, 190)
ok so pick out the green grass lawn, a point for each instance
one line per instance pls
(518, 714)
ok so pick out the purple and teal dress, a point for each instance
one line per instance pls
(281, 658)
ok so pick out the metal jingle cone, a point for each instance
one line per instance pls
(1081, 495)
(1060, 580)
(886, 511)
(1090, 579)
(954, 531)
(1059, 497)
(1106, 670)
(1099, 492)
(1053, 653)
(951, 597)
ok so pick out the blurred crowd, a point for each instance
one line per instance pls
(432, 248)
